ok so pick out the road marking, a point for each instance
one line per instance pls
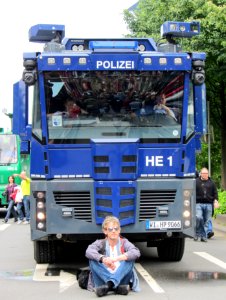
(149, 279)
(39, 273)
(4, 226)
(66, 280)
(212, 259)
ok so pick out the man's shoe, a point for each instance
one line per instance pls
(122, 289)
(102, 290)
(210, 234)
(110, 285)
(203, 239)
(196, 238)
(19, 222)
(15, 220)
(5, 221)
(26, 222)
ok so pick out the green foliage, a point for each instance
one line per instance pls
(222, 201)
(215, 160)
(202, 158)
(145, 21)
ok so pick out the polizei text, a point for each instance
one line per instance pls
(119, 64)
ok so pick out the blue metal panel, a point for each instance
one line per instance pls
(185, 105)
(119, 61)
(70, 162)
(20, 109)
(200, 109)
(25, 147)
(116, 193)
(116, 164)
(37, 159)
(190, 157)
(43, 100)
(159, 161)
(170, 64)
(44, 66)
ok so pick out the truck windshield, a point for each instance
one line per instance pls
(85, 105)
(8, 149)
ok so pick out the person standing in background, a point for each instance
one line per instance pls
(206, 194)
(9, 190)
(25, 187)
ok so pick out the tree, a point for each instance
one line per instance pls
(145, 21)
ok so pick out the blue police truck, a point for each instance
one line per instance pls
(116, 124)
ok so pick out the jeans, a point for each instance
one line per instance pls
(210, 226)
(10, 210)
(19, 210)
(101, 275)
(26, 202)
(203, 217)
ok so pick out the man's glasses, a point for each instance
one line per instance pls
(110, 229)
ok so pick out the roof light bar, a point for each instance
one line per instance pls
(129, 45)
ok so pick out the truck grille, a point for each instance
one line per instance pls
(151, 199)
(117, 199)
(80, 201)
(127, 164)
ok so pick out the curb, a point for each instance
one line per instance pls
(219, 223)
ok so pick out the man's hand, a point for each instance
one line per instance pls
(109, 262)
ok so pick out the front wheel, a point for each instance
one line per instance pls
(44, 252)
(171, 249)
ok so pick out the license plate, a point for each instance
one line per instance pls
(163, 224)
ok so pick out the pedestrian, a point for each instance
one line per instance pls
(111, 261)
(9, 193)
(25, 187)
(210, 232)
(206, 196)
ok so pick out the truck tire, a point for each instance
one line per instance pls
(44, 252)
(171, 249)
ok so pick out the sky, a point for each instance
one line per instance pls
(82, 19)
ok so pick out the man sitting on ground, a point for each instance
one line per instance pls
(112, 261)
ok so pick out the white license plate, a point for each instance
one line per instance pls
(163, 224)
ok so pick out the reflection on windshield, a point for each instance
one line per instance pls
(95, 104)
(8, 149)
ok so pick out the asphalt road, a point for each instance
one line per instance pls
(200, 274)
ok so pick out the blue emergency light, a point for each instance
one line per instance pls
(42, 33)
(180, 29)
(128, 45)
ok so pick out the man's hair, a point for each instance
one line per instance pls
(204, 169)
(110, 219)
